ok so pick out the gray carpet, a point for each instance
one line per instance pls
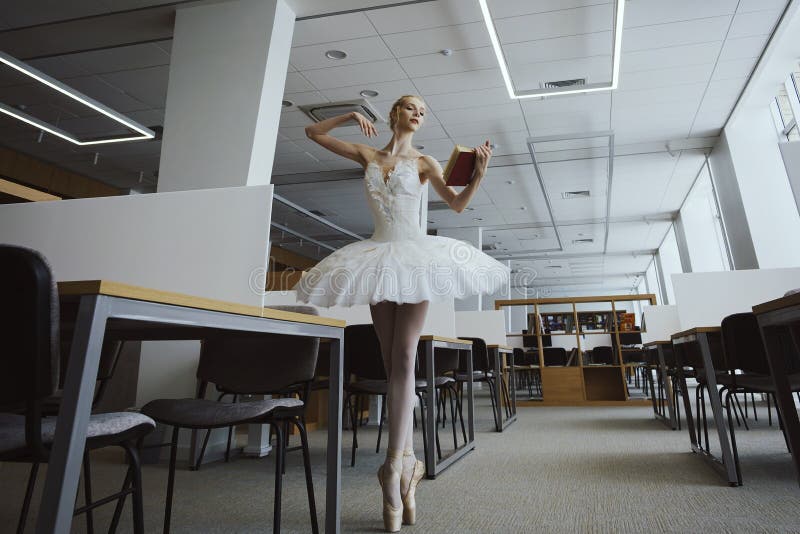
(555, 470)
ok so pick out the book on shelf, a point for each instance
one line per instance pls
(460, 166)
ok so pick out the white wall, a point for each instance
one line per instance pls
(766, 194)
(730, 203)
(704, 299)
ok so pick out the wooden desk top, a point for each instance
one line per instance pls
(695, 331)
(656, 343)
(445, 339)
(500, 347)
(116, 289)
(777, 304)
(26, 193)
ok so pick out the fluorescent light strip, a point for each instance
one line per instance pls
(501, 60)
(75, 95)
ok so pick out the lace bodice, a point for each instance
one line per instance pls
(395, 203)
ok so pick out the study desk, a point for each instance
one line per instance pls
(429, 344)
(136, 313)
(776, 319)
(702, 338)
(499, 353)
(664, 385)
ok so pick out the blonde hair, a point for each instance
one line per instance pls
(394, 114)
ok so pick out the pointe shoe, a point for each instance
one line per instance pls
(392, 517)
(408, 497)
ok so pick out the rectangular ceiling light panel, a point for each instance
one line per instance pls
(513, 92)
(142, 132)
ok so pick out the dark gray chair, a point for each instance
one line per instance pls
(29, 325)
(252, 364)
(555, 356)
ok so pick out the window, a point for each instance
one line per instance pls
(702, 224)
(785, 108)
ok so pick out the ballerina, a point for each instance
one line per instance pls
(398, 272)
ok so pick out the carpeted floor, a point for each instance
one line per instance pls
(555, 470)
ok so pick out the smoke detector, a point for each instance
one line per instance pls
(326, 110)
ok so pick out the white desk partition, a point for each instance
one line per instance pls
(205, 243)
(488, 325)
(660, 323)
(439, 321)
(704, 299)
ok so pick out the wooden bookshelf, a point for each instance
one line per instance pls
(579, 383)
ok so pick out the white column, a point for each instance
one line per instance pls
(226, 82)
(473, 236)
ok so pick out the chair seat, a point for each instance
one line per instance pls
(370, 387)
(103, 427)
(202, 413)
(462, 376)
(764, 383)
(439, 381)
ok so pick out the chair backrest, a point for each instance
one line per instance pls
(603, 354)
(480, 356)
(742, 344)
(259, 363)
(29, 328)
(555, 356)
(362, 353)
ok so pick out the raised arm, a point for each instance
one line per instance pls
(356, 151)
(457, 201)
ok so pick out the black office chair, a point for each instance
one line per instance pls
(263, 364)
(603, 355)
(555, 356)
(29, 326)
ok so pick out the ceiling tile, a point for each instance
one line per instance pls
(458, 61)
(424, 15)
(654, 12)
(348, 75)
(675, 34)
(450, 83)
(415, 43)
(361, 50)
(596, 18)
(754, 23)
(332, 29)
(296, 83)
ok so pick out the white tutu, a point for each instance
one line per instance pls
(399, 263)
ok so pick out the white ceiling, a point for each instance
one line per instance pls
(683, 65)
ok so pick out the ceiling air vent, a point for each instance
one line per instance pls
(584, 241)
(564, 83)
(326, 110)
(566, 195)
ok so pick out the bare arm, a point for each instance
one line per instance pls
(457, 201)
(356, 151)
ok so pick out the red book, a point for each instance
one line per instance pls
(460, 166)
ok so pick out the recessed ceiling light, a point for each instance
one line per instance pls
(469, 209)
(492, 236)
(368, 93)
(287, 103)
(509, 182)
(431, 222)
(335, 54)
(523, 208)
(477, 219)
(419, 147)
(446, 52)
